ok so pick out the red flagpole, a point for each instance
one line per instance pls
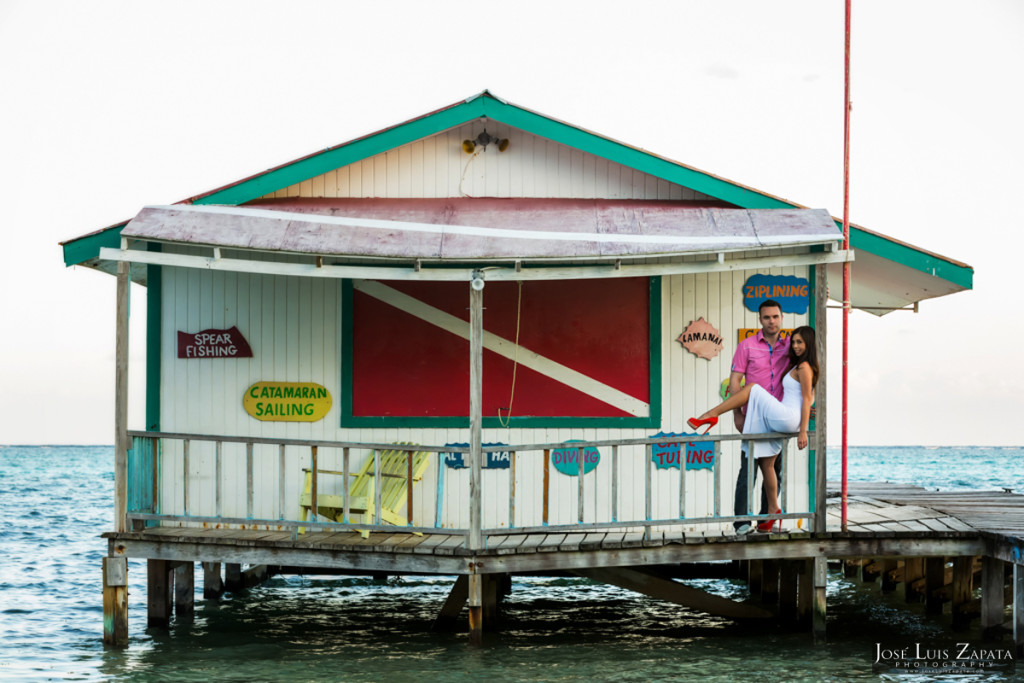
(846, 245)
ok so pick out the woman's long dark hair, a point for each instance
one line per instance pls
(810, 355)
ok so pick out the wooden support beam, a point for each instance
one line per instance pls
(770, 582)
(476, 600)
(671, 591)
(821, 400)
(233, 577)
(213, 583)
(158, 593)
(754, 568)
(121, 399)
(805, 592)
(453, 604)
(935, 578)
(869, 570)
(963, 575)
(913, 570)
(993, 598)
(890, 574)
(788, 590)
(184, 589)
(851, 568)
(820, 571)
(115, 601)
(1018, 609)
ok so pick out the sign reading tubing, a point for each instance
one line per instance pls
(213, 344)
(287, 401)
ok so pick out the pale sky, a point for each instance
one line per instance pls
(111, 106)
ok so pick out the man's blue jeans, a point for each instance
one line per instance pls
(740, 506)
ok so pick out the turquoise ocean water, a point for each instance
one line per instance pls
(56, 501)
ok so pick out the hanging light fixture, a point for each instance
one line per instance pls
(482, 140)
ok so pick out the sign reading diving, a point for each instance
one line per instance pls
(792, 293)
(565, 459)
(699, 455)
(495, 460)
(287, 401)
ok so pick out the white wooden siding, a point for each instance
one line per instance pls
(532, 166)
(294, 328)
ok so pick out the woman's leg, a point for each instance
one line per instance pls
(771, 483)
(738, 399)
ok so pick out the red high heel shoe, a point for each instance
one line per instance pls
(696, 423)
(768, 526)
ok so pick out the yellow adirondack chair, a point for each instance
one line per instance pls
(394, 471)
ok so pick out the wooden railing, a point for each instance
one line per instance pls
(147, 468)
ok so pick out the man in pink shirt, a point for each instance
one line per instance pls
(763, 359)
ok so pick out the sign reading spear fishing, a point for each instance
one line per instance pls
(213, 344)
(699, 455)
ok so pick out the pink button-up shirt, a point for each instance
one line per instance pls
(762, 363)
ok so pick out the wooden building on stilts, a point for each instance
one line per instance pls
(467, 345)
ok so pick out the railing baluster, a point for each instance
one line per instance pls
(156, 476)
(248, 481)
(511, 489)
(615, 483)
(648, 450)
(751, 464)
(345, 485)
(579, 484)
(781, 484)
(313, 506)
(184, 483)
(682, 479)
(376, 486)
(280, 482)
(717, 479)
(218, 467)
(408, 488)
(547, 485)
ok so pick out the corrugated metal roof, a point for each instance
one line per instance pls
(483, 230)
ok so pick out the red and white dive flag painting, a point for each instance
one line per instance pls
(584, 349)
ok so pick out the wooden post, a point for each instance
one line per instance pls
(453, 604)
(805, 591)
(754, 573)
(993, 597)
(770, 581)
(788, 590)
(476, 396)
(476, 625)
(820, 400)
(213, 584)
(491, 599)
(233, 580)
(934, 580)
(820, 602)
(963, 574)
(121, 399)
(115, 601)
(913, 570)
(851, 567)
(889, 570)
(158, 593)
(1018, 609)
(184, 589)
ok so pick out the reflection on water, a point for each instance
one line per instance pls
(318, 628)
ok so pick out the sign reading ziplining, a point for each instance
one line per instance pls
(213, 344)
(287, 401)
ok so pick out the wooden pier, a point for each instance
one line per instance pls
(937, 544)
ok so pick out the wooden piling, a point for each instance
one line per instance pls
(851, 568)
(963, 574)
(184, 589)
(754, 568)
(453, 604)
(158, 593)
(115, 601)
(820, 568)
(935, 578)
(993, 600)
(788, 590)
(213, 584)
(913, 570)
(233, 580)
(890, 575)
(770, 582)
(1018, 609)
(805, 591)
(476, 625)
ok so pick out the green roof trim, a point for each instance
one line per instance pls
(488, 106)
(906, 255)
(87, 247)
